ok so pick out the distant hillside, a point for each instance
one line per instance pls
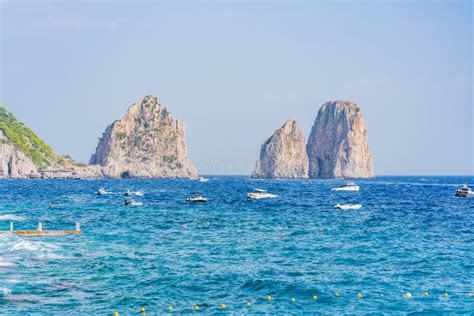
(26, 141)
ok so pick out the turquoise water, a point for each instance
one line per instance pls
(411, 235)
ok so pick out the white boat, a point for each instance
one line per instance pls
(133, 203)
(202, 179)
(464, 191)
(349, 186)
(348, 206)
(102, 191)
(139, 193)
(127, 192)
(260, 194)
(196, 198)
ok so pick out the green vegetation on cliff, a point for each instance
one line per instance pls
(24, 140)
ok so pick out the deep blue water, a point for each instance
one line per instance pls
(411, 235)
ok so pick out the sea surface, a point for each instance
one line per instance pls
(411, 236)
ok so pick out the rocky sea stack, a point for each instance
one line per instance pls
(145, 143)
(283, 155)
(338, 144)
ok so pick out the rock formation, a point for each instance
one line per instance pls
(146, 143)
(283, 155)
(14, 163)
(338, 145)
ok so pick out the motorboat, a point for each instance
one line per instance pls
(348, 206)
(129, 202)
(102, 191)
(196, 198)
(139, 193)
(202, 179)
(349, 186)
(127, 193)
(260, 194)
(464, 191)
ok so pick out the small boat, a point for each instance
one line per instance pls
(348, 206)
(129, 202)
(102, 191)
(349, 186)
(127, 192)
(260, 194)
(464, 191)
(139, 193)
(196, 198)
(202, 179)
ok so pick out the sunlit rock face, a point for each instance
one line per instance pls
(283, 155)
(338, 144)
(145, 143)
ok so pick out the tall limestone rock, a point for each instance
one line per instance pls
(283, 155)
(146, 143)
(338, 145)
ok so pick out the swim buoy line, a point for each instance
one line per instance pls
(314, 298)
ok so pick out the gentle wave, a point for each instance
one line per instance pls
(9, 217)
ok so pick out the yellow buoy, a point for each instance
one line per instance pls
(293, 299)
(359, 295)
(469, 294)
(315, 297)
(196, 307)
(426, 294)
(407, 295)
(223, 306)
(338, 294)
(143, 310)
(269, 298)
(248, 303)
(116, 314)
(170, 308)
(445, 294)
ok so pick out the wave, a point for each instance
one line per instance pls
(38, 246)
(5, 290)
(10, 217)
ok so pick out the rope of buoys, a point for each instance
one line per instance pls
(269, 298)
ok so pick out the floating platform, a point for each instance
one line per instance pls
(40, 232)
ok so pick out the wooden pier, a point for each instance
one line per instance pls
(40, 232)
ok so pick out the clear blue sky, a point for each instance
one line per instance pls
(235, 72)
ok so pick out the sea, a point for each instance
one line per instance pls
(408, 250)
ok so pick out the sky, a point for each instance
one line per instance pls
(236, 71)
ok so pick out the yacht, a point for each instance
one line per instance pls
(129, 202)
(102, 191)
(260, 194)
(196, 198)
(464, 191)
(348, 206)
(202, 179)
(349, 186)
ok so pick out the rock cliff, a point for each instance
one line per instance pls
(14, 163)
(283, 155)
(146, 143)
(338, 144)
